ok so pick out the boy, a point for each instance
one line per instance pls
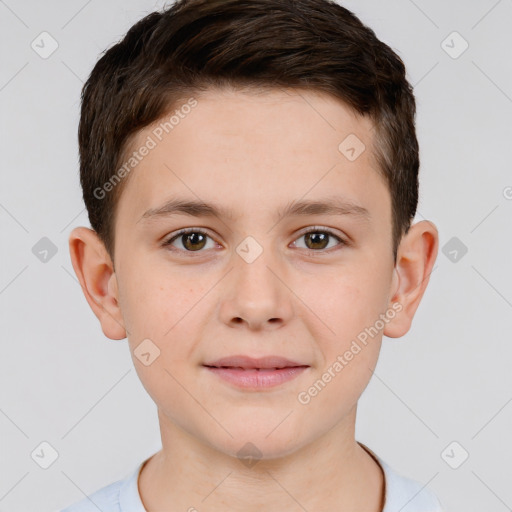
(250, 170)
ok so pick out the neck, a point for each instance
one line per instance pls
(332, 473)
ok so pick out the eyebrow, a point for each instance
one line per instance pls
(325, 206)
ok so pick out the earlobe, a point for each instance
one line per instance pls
(415, 259)
(94, 270)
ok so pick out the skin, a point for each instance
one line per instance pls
(255, 152)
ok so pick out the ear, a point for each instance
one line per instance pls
(95, 271)
(416, 256)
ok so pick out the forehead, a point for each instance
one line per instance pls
(255, 151)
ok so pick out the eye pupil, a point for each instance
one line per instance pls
(194, 238)
(317, 238)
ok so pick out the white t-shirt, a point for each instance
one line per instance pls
(401, 494)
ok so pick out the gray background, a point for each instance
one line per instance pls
(448, 380)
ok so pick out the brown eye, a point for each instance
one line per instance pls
(317, 240)
(192, 240)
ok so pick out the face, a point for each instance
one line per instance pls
(256, 277)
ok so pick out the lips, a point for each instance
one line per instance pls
(242, 362)
(255, 374)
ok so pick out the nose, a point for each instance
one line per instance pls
(256, 294)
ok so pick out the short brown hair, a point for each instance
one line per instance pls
(197, 45)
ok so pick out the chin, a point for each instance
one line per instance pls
(259, 442)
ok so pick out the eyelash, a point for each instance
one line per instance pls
(314, 229)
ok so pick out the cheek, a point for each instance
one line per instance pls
(349, 305)
(154, 299)
(345, 301)
(350, 347)
(161, 308)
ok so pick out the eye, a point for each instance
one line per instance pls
(317, 239)
(192, 240)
